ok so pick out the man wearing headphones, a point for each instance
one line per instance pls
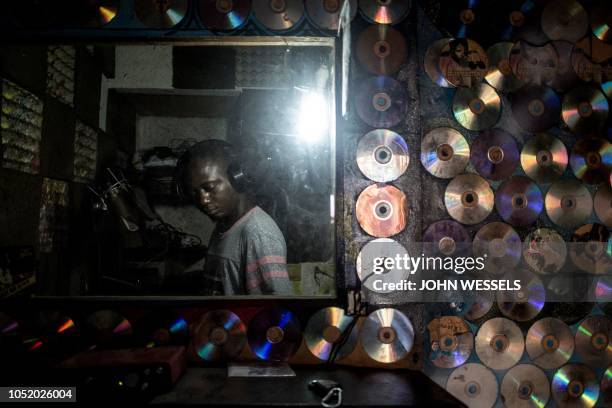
(247, 251)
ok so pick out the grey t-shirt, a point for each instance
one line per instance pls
(250, 258)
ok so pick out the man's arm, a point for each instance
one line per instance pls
(266, 265)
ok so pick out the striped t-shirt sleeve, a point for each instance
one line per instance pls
(266, 265)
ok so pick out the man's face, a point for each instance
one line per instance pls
(211, 189)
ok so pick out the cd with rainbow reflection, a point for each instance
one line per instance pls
(584, 110)
(468, 199)
(387, 335)
(525, 386)
(330, 331)
(444, 152)
(224, 14)
(524, 304)
(591, 160)
(494, 154)
(161, 328)
(544, 158)
(478, 107)
(499, 343)
(605, 388)
(475, 305)
(219, 335)
(500, 75)
(160, 14)
(274, 334)
(450, 341)
(385, 12)
(431, 63)
(381, 49)
(602, 294)
(382, 155)
(549, 343)
(519, 201)
(91, 13)
(594, 341)
(107, 329)
(575, 385)
(601, 22)
(474, 385)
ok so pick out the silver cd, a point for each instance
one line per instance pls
(474, 385)
(575, 386)
(499, 343)
(380, 248)
(326, 329)
(525, 386)
(549, 343)
(387, 335)
(382, 155)
(444, 152)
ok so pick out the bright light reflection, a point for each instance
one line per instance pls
(313, 117)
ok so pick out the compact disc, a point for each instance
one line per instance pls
(525, 386)
(593, 341)
(382, 155)
(476, 305)
(274, 334)
(431, 62)
(385, 11)
(601, 21)
(499, 343)
(565, 77)
(382, 210)
(463, 62)
(519, 201)
(575, 385)
(161, 328)
(544, 158)
(380, 248)
(591, 248)
(160, 14)
(501, 245)
(536, 65)
(8, 325)
(381, 49)
(381, 102)
(446, 238)
(10, 339)
(500, 75)
(568, 203)
(565, 20)
(450, 341)
(106, 329)
(468, 199)
(549, 343)
(605, 387)
(219, 335)
(224, 14)
(591, 160)
(92, 13)
(536, 108)
(278, 14)
(603, 290)
(545, 251)
(524, 304)
(584, 110)
(444, 152)
(387, 335)
(494, 154)
(571, 312)
(591, 59)
(603, 204)
(325, 14)
(476, 108)
(474, 385)
(461, 18)
(327, 333)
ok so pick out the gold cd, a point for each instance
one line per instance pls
(544, 158)
(431, 63)
(591, 249)
(532, 64)
(463, 62)
(468, 199)
(499, 343)
(524, 304)
(575, 386)
(564, 20)
(549, 343)
(160, 14)
(381, 49)
(591, 160)
(387, 335)
(382, 210)
(474, 385)
(328, 329)
(278, 14)
(499, 74)
(568, 203)
(500, 245)
(451, 341)
(477, 108)
(382, 155)
(219, 335)
(545, 251)
(525, 386)
(444, 152)
(594, 341)
(603, 204)
(584, 110)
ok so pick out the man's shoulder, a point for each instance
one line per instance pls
(261, 223)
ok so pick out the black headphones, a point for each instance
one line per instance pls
(236, 174)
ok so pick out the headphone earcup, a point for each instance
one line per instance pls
(237, 177)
